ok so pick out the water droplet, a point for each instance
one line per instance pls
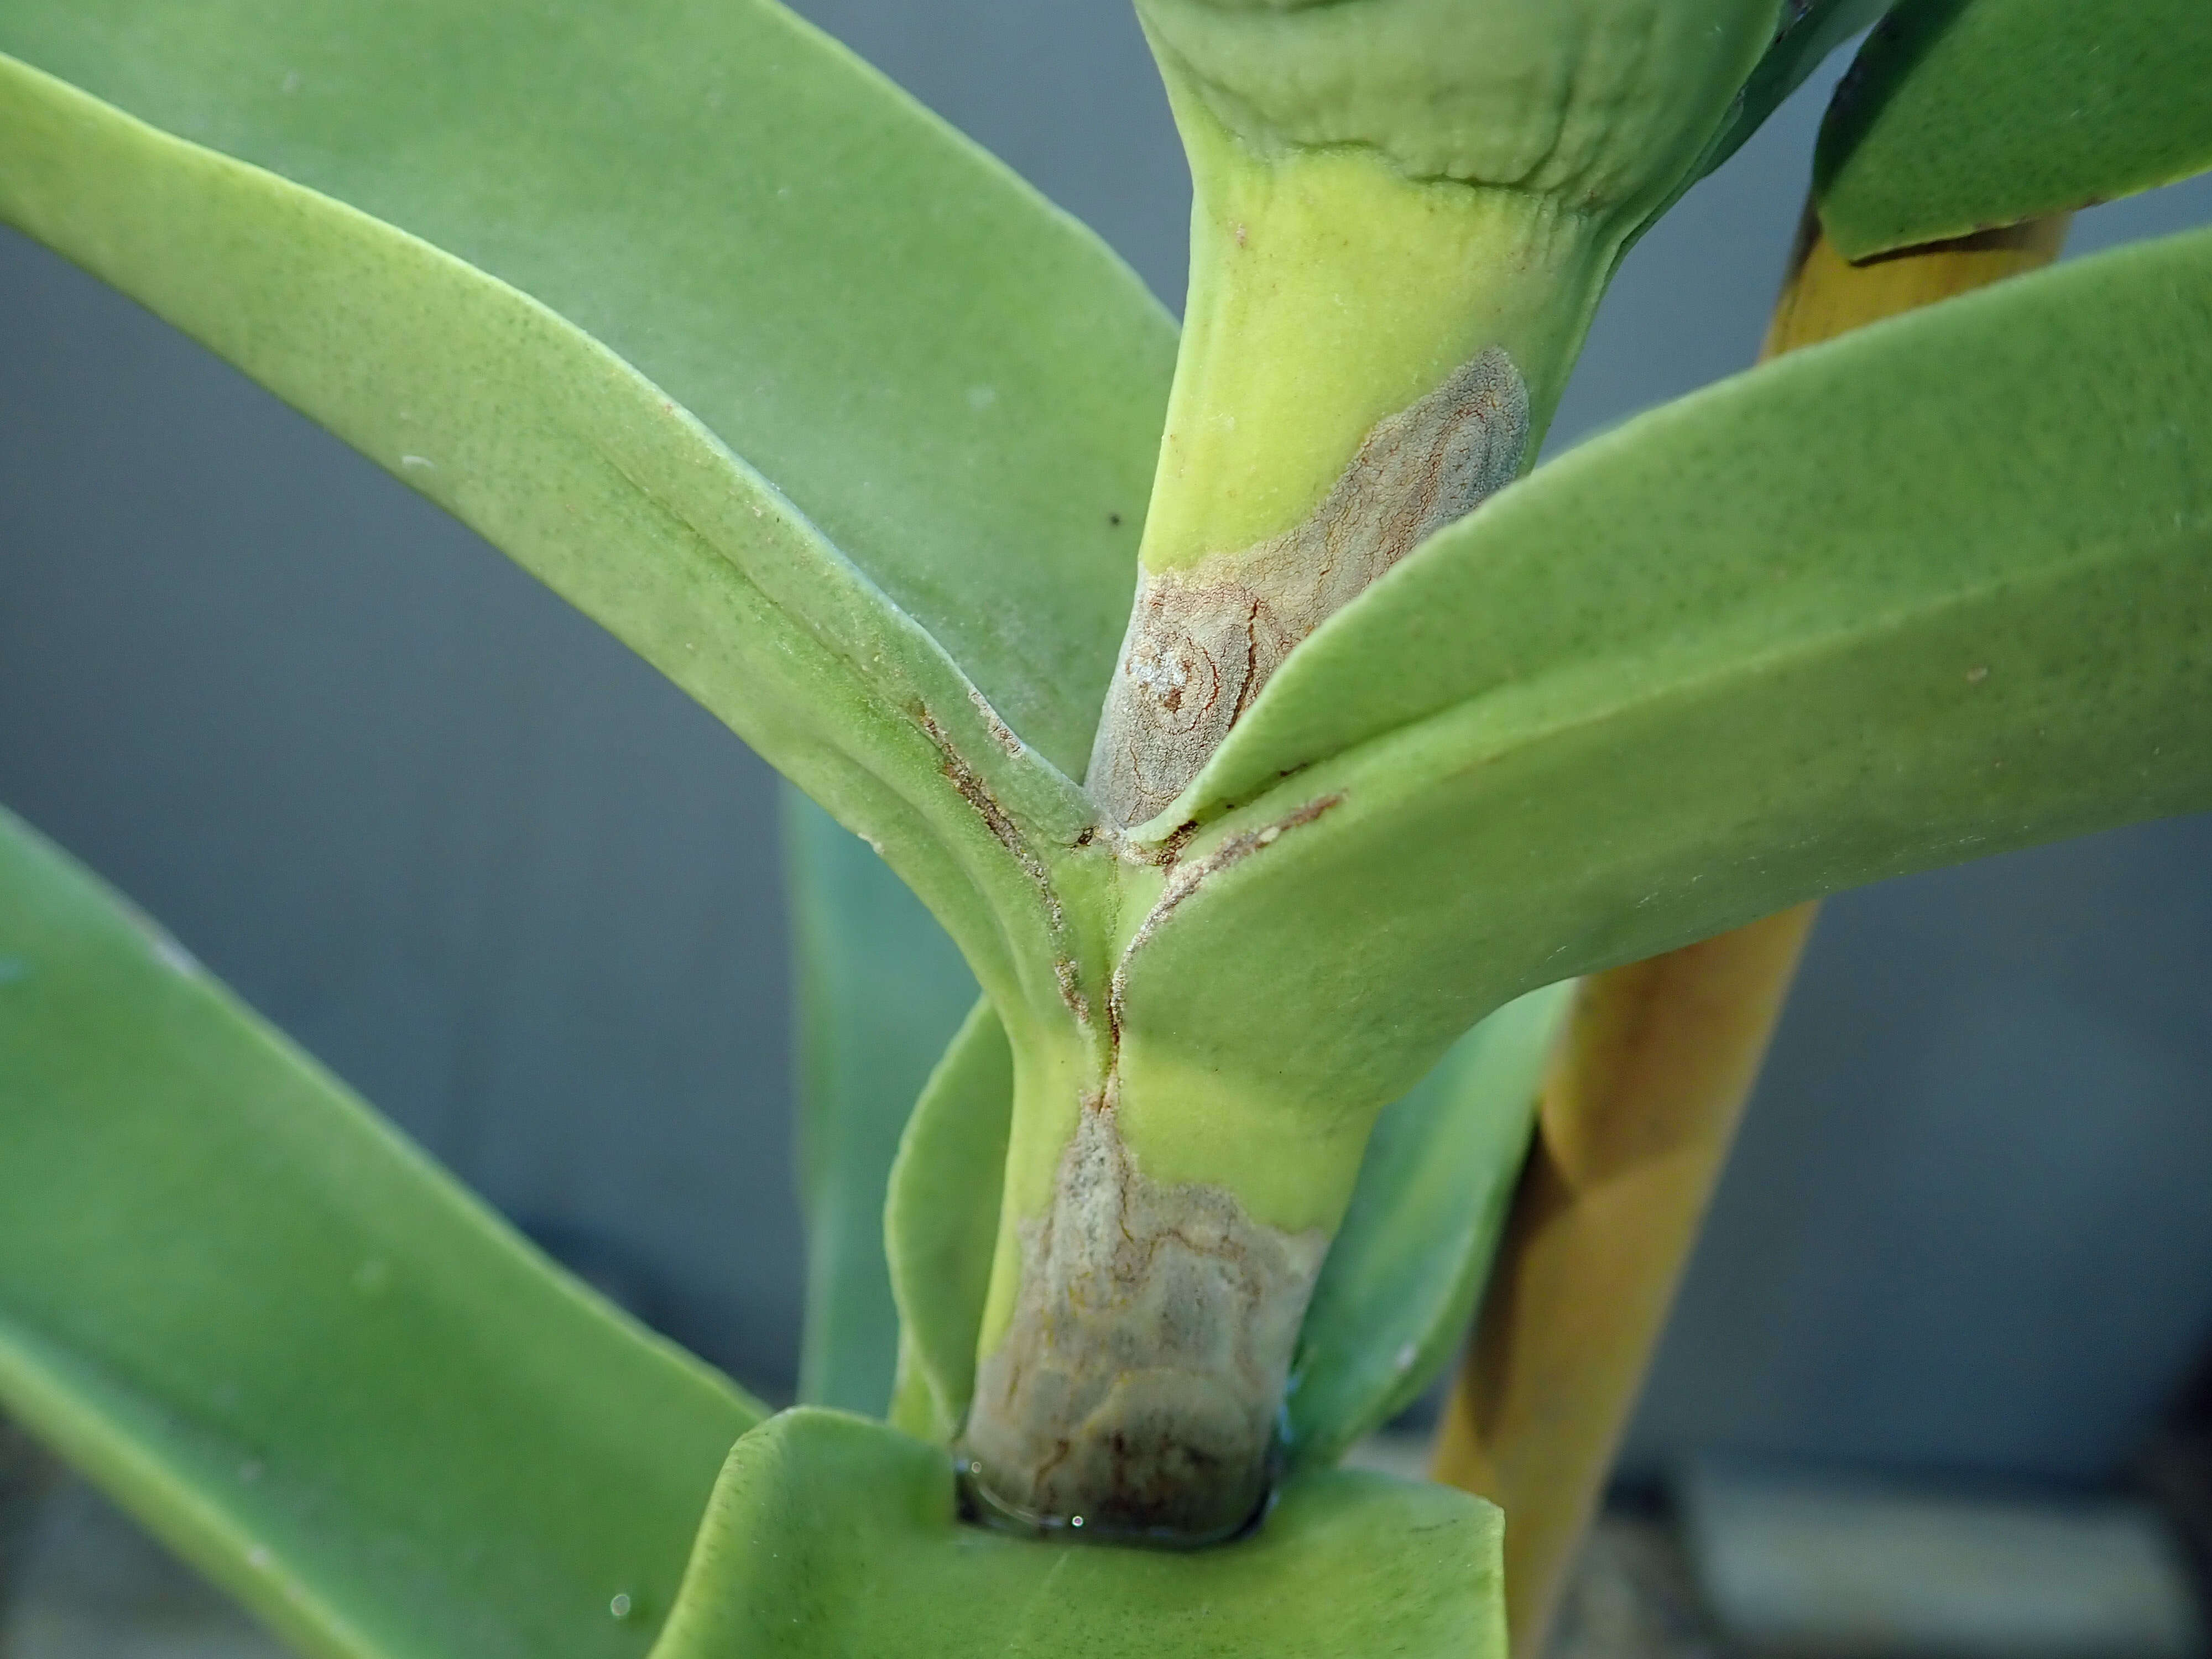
(620, 1605)
(1074, 1520)
(257, 1558)
(249, 1472)
(13, 968)
(1978, 673)
(1407, 1355)
(980, 397)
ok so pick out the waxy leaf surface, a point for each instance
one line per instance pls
(1962, 115)
(1934, 590)
(830, 1536)
(294, 1347)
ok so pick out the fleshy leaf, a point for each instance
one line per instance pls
(942, 1220)
(1938, 589)
(590, 474)
(1810, 30)
(830, 1535)
(960, 384)
(1407, 1266)
(879, 990)
(294, 1347)
(1963, 115)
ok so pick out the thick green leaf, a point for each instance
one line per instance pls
(1809, 31)
(1938, 589)
(833, 1536)
(942, 1221)
(1961, 115)
(1407, 1267)
(294, 1347)
(489, 126)
(880, 990)
(958, 383)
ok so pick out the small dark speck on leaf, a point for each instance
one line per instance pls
(1114, 518)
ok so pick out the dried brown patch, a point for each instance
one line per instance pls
(1203, 641)
(1137, 1384)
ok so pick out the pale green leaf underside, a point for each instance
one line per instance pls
(879, 991)
(1407, 1267)
(830, 1536)
(561, 454)
(301, 1353)
(960, 384)
(1961, 115)
(1935, 590)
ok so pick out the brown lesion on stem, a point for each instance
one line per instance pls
(1203, 640)
(1135, 1391)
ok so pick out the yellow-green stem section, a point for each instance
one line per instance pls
(1327, 291)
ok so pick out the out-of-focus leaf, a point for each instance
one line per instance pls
(1935, 590)
(830, 1536)
(295, 1348)
(943, 1219)
(1962, 115)
(880, 990)
(1407, 1267)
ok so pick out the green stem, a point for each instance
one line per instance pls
(1365, 356)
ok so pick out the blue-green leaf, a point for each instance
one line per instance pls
(879, 991)
(296, 1349)
(1408, 1264)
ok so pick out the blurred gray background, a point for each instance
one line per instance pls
(525, 897)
